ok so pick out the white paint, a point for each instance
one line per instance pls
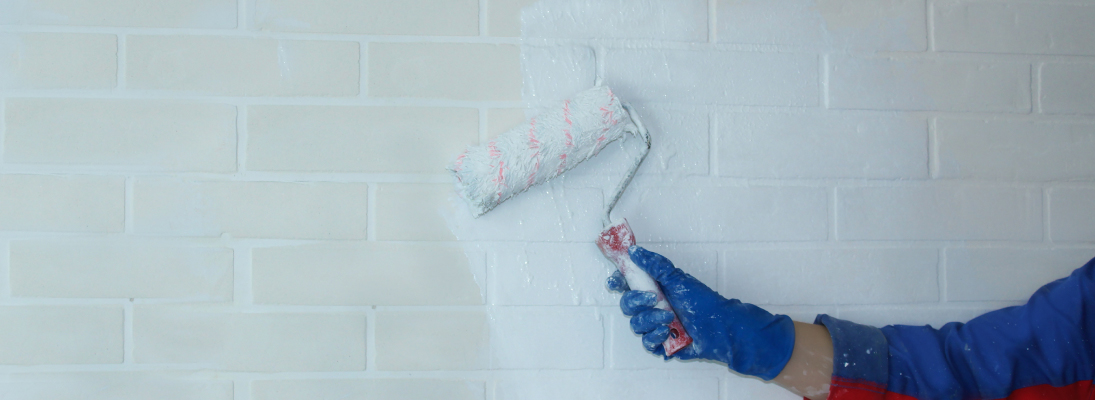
(12, 52)
(724, 176)
(562, 72)
(546, 338)
(673, 20)
(839, 25)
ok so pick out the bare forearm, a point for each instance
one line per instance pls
(810, 369)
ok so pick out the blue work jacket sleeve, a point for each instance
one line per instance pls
(1039, 349)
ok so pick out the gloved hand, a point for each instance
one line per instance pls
(748, 339)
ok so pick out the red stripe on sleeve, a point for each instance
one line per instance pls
(842, 389)
(1079, 390)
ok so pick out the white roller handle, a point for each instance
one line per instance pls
(638, 279)
(614, 242)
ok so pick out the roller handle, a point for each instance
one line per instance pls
(614, 242)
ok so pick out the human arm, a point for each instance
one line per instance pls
(1042, 349)
(810, 368)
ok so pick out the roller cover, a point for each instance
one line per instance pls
(540, 149)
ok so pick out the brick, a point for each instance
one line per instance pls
(1072, 214)
(500, 120)
(259, 342)
(114, 386)
(757, 389)
(556, 73)
(928, 314)
(156, 134)
(119, 268)
(659, 387)
(699, 261)
(677, 20)
(1007, 274)
(431, 340)
(414, 211)
(1068, 88)
(549, 274)
(376, 17)
(939, 212)
(824, 276)
(756, 213)
(357, 139)
(891, 25)
(368, 273)
(122, 13)
(627, 351)
(236, 66)
(914, 84)
(822, 145)
(504, 16)
(713, 77)
(37, 335)
(1014, 28)
(454, 71)
(681, 142)
(61, 203)
(544, 213)
(372, 389)
(546, 338)
(167, 206)
(1015, 150)
(541, 274)
(58, 61)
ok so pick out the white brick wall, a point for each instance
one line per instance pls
(115, 386)
(568, 338)
(357, 139)
(363, 273)
(130, 134)
(822, 145)
(431, 340)
(891, 25)
(234, 66)
(415, 17)
(1015, 150)
(218, 339)
(165, 206)
(111, 268)
(380, 389)
(246, 200)
(58, 61)
(1014, 28)
(65, 203)
(43, 335)
(616, 389)
(1068, 88)
(209, 14)
(454, 71)
(883, 276)
(686, 77)
(930, 84)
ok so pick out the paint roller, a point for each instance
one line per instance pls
(550, 144)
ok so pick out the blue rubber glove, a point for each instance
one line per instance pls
(748, 339)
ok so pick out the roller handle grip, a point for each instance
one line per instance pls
(614, 242)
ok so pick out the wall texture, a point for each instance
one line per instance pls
(245, 199)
